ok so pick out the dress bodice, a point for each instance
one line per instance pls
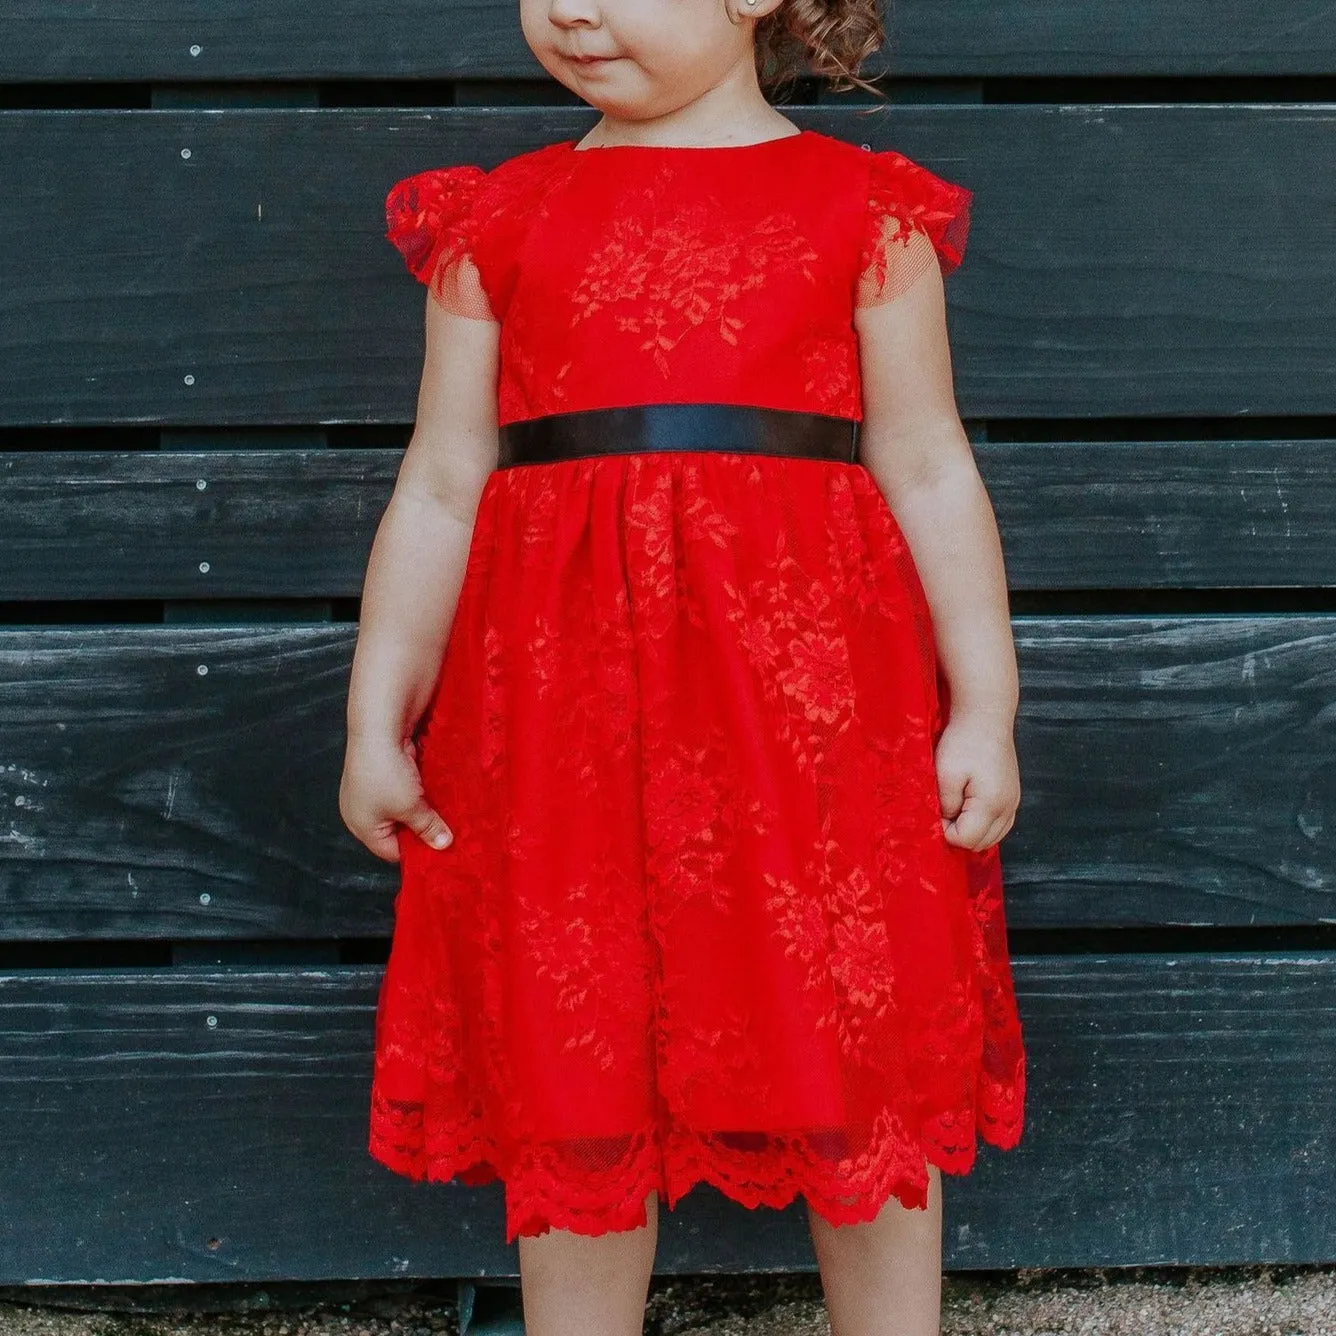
(633, 274)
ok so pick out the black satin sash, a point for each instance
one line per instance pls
(644, 427)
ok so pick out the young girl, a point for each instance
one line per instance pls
(684, 689)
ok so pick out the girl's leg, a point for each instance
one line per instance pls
(884, 1277)
(577, 1285)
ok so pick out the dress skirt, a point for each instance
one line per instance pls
(699, 921)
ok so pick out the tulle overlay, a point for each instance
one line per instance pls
(699, 922)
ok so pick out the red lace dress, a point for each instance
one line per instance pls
(699, 921)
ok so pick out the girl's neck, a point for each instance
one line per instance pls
(670, 132)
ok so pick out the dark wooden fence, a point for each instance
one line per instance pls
(209, 361)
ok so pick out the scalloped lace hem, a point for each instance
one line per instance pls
(546, 1186)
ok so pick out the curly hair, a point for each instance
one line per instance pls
(828, 37)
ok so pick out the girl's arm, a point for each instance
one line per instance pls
(414, 575)
(915, 446)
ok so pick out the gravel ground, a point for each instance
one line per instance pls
(1242, 1301)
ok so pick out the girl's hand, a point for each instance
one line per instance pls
(382, 789)
(978, 778)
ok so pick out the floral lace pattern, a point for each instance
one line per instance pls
(667, 269)
(429, 219)
(913, 218)
(711, 930)
(640, 276)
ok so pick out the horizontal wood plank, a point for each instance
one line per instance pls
(142, 40)
(1179, 1111)
(1223, 514)
(190, 524)
(299, 523)
(181, 782)
(1123, 261)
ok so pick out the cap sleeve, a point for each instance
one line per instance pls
(430, 221)
(913, 217)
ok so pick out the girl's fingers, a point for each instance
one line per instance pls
(990, 823)
(384, 846)
(427, 825)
